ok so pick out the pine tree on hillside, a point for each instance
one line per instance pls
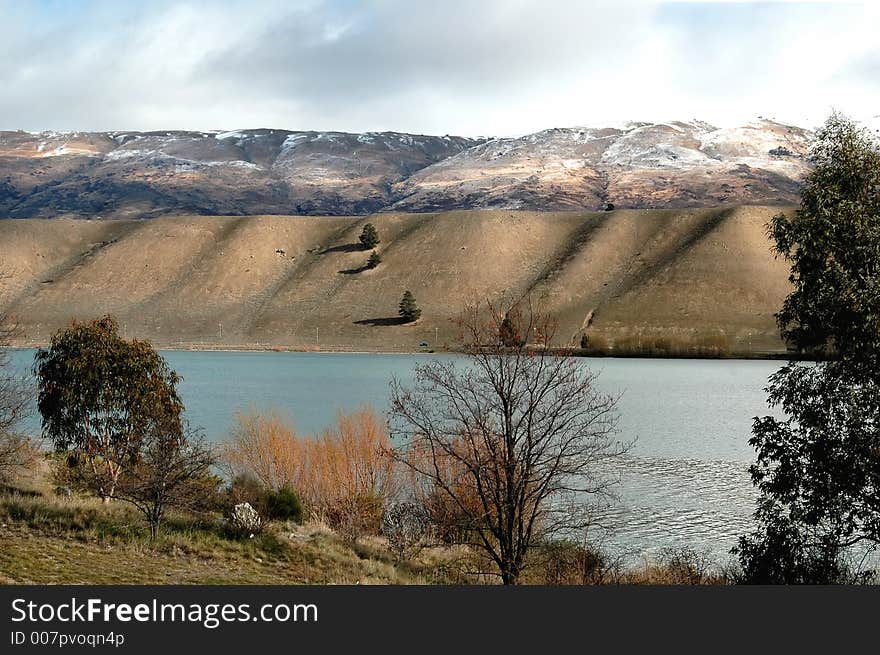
(374, 260)
(409, 310)
(369, 236)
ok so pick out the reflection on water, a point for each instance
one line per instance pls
(683, 482)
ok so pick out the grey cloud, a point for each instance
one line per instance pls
(479, 67)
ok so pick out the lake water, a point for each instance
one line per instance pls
(684, 482)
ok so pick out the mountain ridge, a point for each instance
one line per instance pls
(635, 165)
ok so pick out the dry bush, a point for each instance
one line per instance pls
(453, 515)
(678, 566)
(265, 447)
(350, 476)
(702, 345)
(595, 344)
(565, 562)
(344, 477)
(19, 458)
(354, 516)
(406, 527)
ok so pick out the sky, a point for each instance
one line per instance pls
(471, 68)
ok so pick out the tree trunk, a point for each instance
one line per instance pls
(510, 573)
(113, 471)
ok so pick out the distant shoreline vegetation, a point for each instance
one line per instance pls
(625, 348)
(648, 350)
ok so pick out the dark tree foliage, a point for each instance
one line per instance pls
(369, 236)
(100, 396)
(374, 260)
(833, 244)
(818, 470)
(785, 552)
(284, 505)
(408, 309)
(508, 332)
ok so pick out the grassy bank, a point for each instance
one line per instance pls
(49, 539)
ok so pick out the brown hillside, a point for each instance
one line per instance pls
(685, 275)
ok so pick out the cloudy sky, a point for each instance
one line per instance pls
(480, 67)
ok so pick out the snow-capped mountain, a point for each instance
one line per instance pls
(636, 165)
(262, 171)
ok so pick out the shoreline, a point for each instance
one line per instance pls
(245, 348)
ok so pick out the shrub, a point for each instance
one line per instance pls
(595, 344)
(284, 505)
(19, 457)
(63, 492)
(405, 525)
(245, 488)
(684, 566)
(350, 472)
(267, 449)
(705, 345)
(374, 260)
(355, 516)
(343, 477)
(509, 330)
(564, 562)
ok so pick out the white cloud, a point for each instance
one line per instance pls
(481, 67)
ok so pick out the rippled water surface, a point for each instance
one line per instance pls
(683, 482)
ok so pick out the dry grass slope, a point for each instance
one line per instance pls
(676, 275)
(81, 541)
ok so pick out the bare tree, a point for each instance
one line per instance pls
(172, 471)
(172, 468)
(13, 393)
(510, 442)
(17, 453)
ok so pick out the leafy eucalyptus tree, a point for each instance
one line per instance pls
(101, 396)
(818, 469)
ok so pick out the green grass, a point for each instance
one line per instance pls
(45, 539)
(48, 540)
